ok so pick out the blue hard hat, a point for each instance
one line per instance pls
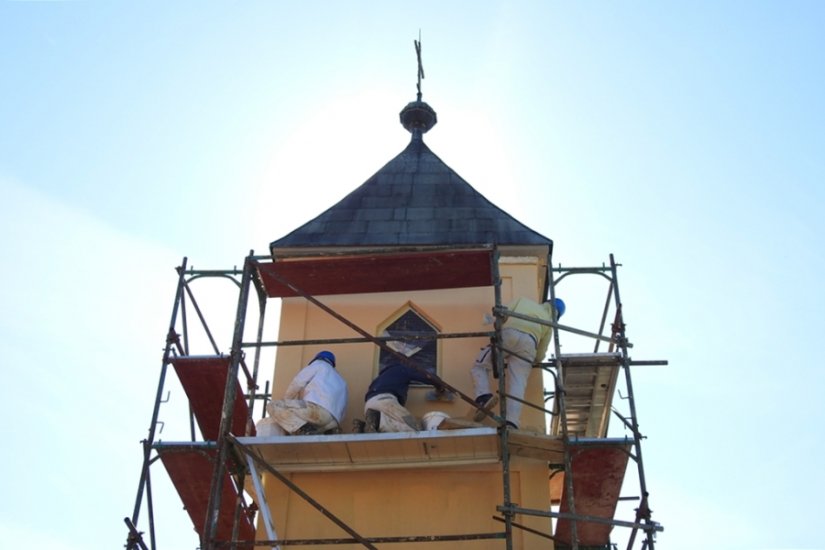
(326, 356)
(560, 307)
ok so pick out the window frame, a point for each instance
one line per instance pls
(410, 308)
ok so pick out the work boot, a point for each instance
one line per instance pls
(309, 429)
(484, 403)
(373, 421)
(412, 422)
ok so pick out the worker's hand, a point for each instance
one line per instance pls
(440, 394)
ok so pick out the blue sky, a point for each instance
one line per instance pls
(685, 138)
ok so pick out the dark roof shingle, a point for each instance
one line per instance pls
(414, 200)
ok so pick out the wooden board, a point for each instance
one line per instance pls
(377, 450)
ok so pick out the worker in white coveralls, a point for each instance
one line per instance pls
(314, 402)
(524, 342)
(386, 396)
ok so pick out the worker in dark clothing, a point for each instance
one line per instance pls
(385, 399)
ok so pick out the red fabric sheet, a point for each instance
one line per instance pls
(191, 473)
(203, 379)
(598, 473)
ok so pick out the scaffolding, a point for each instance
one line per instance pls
(215, 475)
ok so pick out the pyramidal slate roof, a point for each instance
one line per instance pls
(414, 200)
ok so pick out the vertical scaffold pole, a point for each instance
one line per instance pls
(170, 341)
(643, 511)
(562, 412)
(253, 389)
(498, 362)
(213, 510)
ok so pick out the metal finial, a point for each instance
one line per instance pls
(418, 117)
(420, 66)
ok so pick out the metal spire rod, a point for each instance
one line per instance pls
(420, 66)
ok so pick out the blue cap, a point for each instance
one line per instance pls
(325, 356)
(560, 307)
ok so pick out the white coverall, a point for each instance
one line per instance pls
(526, 339)
(394, 416)
(317, 395)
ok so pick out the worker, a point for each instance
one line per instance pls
(386, 396)
(524, 343)
(314, 402)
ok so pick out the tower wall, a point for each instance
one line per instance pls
(412, 501)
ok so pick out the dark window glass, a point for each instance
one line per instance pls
(415, 330)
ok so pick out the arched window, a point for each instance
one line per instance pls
(419, 343)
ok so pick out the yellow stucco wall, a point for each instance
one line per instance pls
(414, 502)
(417, 501)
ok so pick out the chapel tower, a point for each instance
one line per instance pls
(414, 254)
